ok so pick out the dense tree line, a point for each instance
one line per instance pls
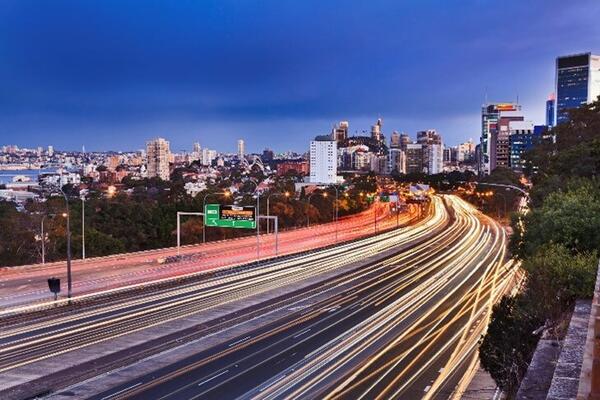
(557, 242)
(144, 217)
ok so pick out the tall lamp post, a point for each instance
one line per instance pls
(226, 194)
(286, 194)
(256, 183)
(83, 227)
(67, 215)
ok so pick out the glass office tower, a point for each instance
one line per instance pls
(577, 83)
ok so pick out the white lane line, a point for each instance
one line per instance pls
(240, 341)
(121, 391)
(427, 388)
(302, 333)
(213, 377)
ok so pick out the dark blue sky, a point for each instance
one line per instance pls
(112, 74)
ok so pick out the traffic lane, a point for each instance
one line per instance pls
(309, 396)
(406, 351)
(283, 358)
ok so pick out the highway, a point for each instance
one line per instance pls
(403, 327)
(27, 284)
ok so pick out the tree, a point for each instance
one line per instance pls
(559, 277)
(509, 343)
(570, 217)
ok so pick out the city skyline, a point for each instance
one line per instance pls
(203, 78)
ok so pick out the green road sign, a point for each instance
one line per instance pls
(230, 216)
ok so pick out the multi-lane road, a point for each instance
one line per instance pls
(27, 284)
(397, 315)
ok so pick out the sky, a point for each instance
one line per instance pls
(111, 75)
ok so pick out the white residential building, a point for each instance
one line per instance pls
(323, 160)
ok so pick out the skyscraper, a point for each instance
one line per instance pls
(396, 160)
(490, 114)
(433, 151)
(404, 140)
(323, 160)
(522, 138)
(414, 158)
(376, 133)
(577, 82)
(500, 141)
(241, 149)
(340, 131)
(550, 110)
(157, 153)
(395, 140)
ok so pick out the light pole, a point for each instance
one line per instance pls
(83, 227)
(286, 194)
(256, 183)
(226, 194)
(67, 215)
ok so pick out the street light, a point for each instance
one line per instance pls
(83, 227)
(256, 183)
(67, 216)
(226, 194)
(286, 194)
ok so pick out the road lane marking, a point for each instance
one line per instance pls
(213, 377)
(121, 391)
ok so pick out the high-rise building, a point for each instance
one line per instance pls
(158, 154)
(550, 110)
(50, 151)
(500, 143)
(404, 140)
(577, 82)
(465, 151)
(395, 140)
(340, 131)
(323, 160)
(523, 137)
(208, 156)
(414, 158)
(241, 149)
(433, 151)
(376, 133)
(396, 160)
(196, 153)
(490, 114)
